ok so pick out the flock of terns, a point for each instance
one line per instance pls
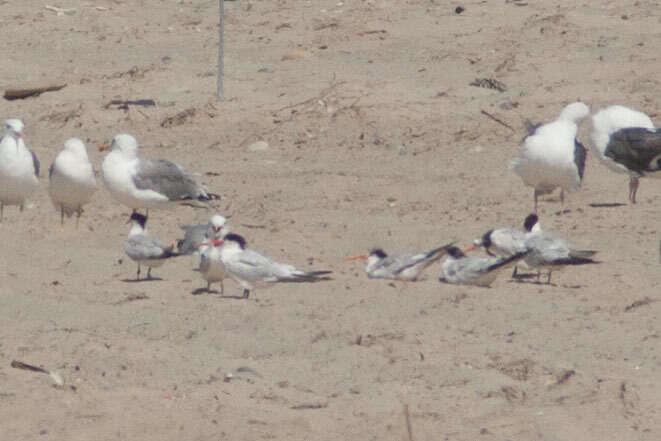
(550, 157)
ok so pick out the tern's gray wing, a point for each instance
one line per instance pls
(166, 178)
(253, 267)
(35, 163)
(638, 149)
(550, 250)
(145, 247)
(508, 241)
(193, 236)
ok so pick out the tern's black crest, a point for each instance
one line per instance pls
(378, 252)
(236, 238)
(579, 158)
(456, 252)
(530, 222)
(486, 239)
(139, 218)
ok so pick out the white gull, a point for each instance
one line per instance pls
(72, 181)
(19, 167)
(551, 156)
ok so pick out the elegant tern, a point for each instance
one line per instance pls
(251, 269)
(409, 267)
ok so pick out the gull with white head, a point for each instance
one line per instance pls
(72, 181)
(148, 183)
(19, 167)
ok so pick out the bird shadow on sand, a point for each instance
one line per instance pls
(606, 204)
(200, 291)
(152, 279)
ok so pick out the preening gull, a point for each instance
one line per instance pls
(409, 267)
(251, 269)
(626, 141)
(194, 235)
(144, 249)
(72, 181)
(19, 167)
(460, 269)
(551, 156)
(148, 183)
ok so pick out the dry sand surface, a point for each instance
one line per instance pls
(376, 137)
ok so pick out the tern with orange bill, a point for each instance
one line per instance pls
(408, 267)
(251, 269)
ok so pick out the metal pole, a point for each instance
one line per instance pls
(221, 26)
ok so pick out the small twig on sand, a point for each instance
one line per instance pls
(639, 303)
(323, 94)
(407, 417)
(484, 112)
(28, 367)
(310, 406)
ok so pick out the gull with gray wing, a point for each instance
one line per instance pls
(551, 156)
(148, 183)
(626, 141)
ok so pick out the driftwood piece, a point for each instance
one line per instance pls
(27, 367)
(124, 104)
(15, 94)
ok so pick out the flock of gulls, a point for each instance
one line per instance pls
(550, 157)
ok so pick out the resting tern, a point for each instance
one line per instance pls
(251, 269)
(551, 156)
(148, 183)
(19, 167)
(72, 181)
(407, 267)
(144, 249)
(481, 271)
(625, 140)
